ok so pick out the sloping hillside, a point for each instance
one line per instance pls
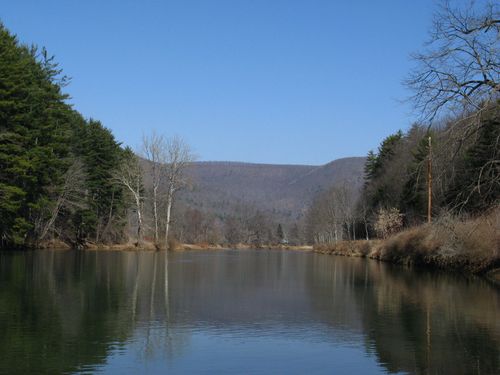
(283, 190)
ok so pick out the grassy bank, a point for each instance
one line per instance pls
(471, 246)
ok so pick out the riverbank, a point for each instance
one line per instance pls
(241, 246)
(470, 246)
(173, 246)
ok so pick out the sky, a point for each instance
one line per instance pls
(263, 81)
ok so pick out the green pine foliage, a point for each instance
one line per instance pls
(41, 136)
(414, 196)
(476, 186)
(102, 155)
(465, 169)
(377, 187)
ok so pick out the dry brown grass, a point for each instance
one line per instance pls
(411, 246)
(359, 248)
(468, 245)
(173, 244)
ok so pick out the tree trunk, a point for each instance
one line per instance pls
(139, 220)
(155, 212)
(169, 210)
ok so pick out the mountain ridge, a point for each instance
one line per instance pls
(282, 190)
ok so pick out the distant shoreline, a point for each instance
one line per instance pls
(149, 246)
(423, 246)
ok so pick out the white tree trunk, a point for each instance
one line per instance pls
(155, 212)
(139, 219)
(169, 211)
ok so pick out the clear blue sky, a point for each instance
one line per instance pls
(275, 81)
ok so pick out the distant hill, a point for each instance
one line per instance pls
(282, 190)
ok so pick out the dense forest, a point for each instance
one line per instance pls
(55, 166)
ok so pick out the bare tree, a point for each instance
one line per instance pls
(178, 155)
(129, 174)
(345, 196)
(389, 221)
(69, 194)
(460, 69)
(332, 214)
(154, 149)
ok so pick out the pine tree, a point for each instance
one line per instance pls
(42, 139)
(33, 137)
(476, 186)
(101, 155)
(414, 198)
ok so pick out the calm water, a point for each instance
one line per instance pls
(251, 312)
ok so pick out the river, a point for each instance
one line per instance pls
(240, 312)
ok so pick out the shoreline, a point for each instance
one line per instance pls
(466, 263)
(414, 247)
(470, 246)
(149, 246)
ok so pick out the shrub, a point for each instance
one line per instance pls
(173, 244)
(389, 222)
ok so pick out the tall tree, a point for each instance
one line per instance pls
(178, 157)
(154, 149)
(476, 185)
(34, 124)
(460, 68)
(55, 167)
(129, 174)
(102, 155)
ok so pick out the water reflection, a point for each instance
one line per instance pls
(234, 311)
(419, 321)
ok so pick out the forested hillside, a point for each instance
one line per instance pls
(55, 165)
(446, 167)
(243, 202)
(286, 190)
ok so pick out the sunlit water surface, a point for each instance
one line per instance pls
(240, 312)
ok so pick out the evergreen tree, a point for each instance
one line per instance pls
(476, 186)
(376, 187)
(42, 139)
(33, 137)
(414, 199)
(102, 156)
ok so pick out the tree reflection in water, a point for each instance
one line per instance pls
(66, 312)
(416, 321)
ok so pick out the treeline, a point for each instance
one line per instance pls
(465, 172)
(244, 224)
(65, 178)
(454, 151)
(464, 156)
(55, 166)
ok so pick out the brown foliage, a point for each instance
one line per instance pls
(471, 245)
(173, 244)
(388, 222)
